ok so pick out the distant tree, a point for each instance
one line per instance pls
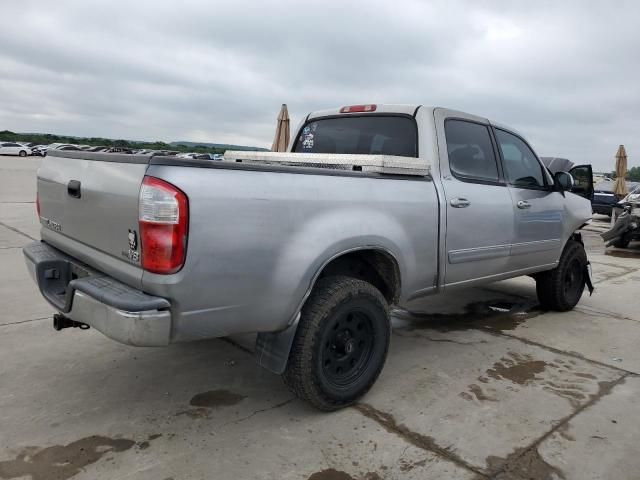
(633, 174)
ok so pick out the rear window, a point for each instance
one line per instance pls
(372, 135)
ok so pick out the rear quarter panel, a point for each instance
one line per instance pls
(257, 239)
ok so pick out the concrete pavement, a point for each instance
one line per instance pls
(481, 385)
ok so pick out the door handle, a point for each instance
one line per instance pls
(459, 202)
(523, 204)
(73, 188)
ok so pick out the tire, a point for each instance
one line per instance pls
(22, 153)
(561, 288)
(341, 343)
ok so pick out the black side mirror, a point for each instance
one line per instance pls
(564, 181)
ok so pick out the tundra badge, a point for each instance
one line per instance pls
(132, 254)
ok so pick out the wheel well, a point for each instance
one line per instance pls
(373, 266)
(577, 236)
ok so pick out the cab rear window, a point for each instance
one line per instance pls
(371, 134)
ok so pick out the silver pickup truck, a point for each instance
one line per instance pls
(374, 206)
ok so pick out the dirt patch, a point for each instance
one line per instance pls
(480, 395)
(523, 465)
(60, 462)
(493, 314)
(407, 466)
(216, 398)
(517, 368)
(195, 413)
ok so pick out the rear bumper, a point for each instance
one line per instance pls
(120, 312)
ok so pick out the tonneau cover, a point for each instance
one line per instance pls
(387, 164)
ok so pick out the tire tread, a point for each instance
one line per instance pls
(549, 285)
(328, 293)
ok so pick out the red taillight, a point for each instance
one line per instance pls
(38, 204)
(358, 108)
(163, 218)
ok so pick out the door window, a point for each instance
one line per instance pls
(522, 168)
(471, 155)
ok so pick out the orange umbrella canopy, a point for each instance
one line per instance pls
(281, 140)
(620, 186)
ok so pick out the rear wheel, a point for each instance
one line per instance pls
(22, 153)
(561, 288)
(341, 343)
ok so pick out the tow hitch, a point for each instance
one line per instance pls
(60, 322)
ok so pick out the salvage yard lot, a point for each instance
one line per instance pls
(483, 385)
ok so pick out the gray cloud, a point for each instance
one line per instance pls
(563, 73)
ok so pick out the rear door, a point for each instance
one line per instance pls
(537, 208)
(10, 148)
(89, 208)
(479, 212)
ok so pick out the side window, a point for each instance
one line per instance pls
(471, 155)
(521, 166)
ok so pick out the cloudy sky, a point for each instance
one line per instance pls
(566, 74)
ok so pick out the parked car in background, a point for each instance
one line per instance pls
(604, 200)
(40, 150)
(627, 221)
(12, 148)
(69, 147)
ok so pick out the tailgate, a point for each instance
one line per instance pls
(89, 208)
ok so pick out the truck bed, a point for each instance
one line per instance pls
(259, 233)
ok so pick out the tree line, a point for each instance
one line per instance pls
(47, 138)
(633, 174)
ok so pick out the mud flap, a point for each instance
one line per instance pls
(272, 349)
(587, 277)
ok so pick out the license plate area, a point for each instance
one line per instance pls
(53, 279)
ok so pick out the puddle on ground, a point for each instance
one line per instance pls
(558, 377)
(61, 462)
(333, 474)
(517, 368)
(523, 465)
(216, 398)
(493, 314)
(478, 393)
(623, 253)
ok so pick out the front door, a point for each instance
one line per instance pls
(538, 208)
(582, 181)
(479, 213)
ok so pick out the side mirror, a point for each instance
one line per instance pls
(564, 181)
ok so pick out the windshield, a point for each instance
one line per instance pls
(372, 135)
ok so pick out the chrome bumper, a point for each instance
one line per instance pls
(118, 311)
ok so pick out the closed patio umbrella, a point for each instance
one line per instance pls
(620, 185)
(281, 140)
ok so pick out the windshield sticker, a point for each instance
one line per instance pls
(307, 141)
(307, 136)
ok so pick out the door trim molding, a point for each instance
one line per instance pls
(478, 253)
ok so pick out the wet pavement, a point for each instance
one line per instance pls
(481, 383)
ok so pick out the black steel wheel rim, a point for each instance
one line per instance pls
(347, 347)
(573, 279)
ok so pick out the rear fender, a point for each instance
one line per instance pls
(273, 348)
